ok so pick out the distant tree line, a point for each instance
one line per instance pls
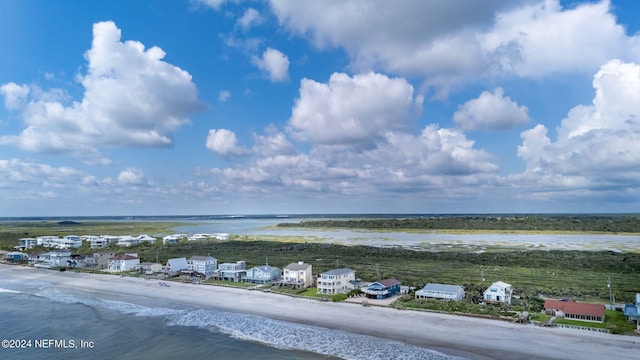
(584, 223)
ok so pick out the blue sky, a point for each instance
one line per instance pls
(283, 106)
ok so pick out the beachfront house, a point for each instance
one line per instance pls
(204, 265)
(122, 263)
(574, 310)
(441, 291)
(336, 281)
(232, 271)
(382, 289)
(150, 268)
(498, 292)
(52, 258)
(632, 312)
(175, 265)
(263, 274)
(298, 274)
(102, 259)
(16, 256)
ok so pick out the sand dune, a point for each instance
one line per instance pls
(454, 335)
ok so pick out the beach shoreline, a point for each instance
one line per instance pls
(455, 335)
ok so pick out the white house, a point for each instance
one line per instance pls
(52, 259)
(498, 292)
(27, 243)
(174, 265)
(205, 265)
(199, 237)
(68, 242)
(173, 239)
(135, 240)
(150, 268)
(122, 263)
(221, 236)
(441, 291)
(298, 274)
(47, 241)
(337, 281)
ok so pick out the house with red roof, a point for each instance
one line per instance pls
(574, 310)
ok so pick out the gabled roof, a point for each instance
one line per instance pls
(202, 258)
(298, 266)
(575, 308)
(267, 268)
(500, 284)
(389, 282)
(123, 257)
(342, 271)
(631, 310)
(442, 288)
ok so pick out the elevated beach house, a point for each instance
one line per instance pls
(204, 265)
(124, 262)
(51, 259)
(263, 274)
(27, 243)
(298, 274)
(574, 310)
(382, 289)
(498, 292)
(441, 291)
(232, 271)
(16, 256)
(337, 281)
(150, 268)
(175, 265)
(632, 312)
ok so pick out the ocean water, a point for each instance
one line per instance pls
(63, 323)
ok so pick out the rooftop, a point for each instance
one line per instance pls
(575, 308)
(342, 271)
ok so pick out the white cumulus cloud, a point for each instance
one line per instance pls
(224, 142)
(352, 110)
(452, 42)
(491, 111)
(132, 177)
(14, 95)
(132, 98)
(274, 63)
(598, 145)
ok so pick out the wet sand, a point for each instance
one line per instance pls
(455, 335)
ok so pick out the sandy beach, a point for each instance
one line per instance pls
(454, 335)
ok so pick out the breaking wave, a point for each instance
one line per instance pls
(275, 333)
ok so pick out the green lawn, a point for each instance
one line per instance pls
(615, 321)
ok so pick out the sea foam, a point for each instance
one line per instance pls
(275, 333)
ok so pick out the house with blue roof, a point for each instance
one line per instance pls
(441, 291)
(632, 312)
(337, 281)
(263, 274)
(382, 289)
